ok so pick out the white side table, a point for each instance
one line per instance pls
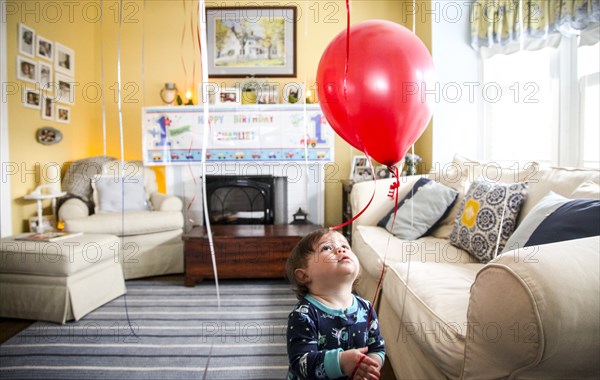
(38, 196)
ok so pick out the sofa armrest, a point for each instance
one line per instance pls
(73, 208)
(533, 312)
(381, 204)
(164, 202)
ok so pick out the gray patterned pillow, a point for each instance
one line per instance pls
(487, 210)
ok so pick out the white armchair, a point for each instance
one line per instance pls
(149, 224)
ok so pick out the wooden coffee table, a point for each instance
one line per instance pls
(241, 251)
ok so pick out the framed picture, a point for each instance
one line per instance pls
(356, 162)
(293, 93)
(229, 96)
(64, 60)
(362, 173)
(48, 223)
(268, 94)
(26, 69)
(63, 114)
(257, 41)
(44, 48)
(47, 108)
(382, 172)
(64, 89)
(44, 76)
(31, 98)
(26, 40)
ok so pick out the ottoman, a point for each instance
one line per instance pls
(59, 281)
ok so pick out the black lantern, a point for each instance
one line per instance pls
(300, 217)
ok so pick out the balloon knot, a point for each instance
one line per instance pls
(393, 189)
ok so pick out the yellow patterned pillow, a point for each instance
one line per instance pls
(487, 217)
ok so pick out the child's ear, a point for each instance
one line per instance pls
(301, 276)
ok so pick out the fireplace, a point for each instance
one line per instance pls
(253, 199)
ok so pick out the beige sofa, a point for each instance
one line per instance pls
(528, 313)
(150, 235)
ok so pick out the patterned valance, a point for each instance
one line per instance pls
(507, 26)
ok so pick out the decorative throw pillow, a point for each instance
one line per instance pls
(417, 213)
(487, 217)
(111, 194)
(556, 218)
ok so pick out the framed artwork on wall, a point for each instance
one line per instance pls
(26, 40)
(64, 60)
(64, 89)
(26, 69)
(257, 41)
(31, 98)
(44, 48)
(63, 114)
(47, 107)
(44, 76)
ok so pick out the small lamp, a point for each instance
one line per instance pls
(169, 93)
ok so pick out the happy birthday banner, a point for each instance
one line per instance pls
(173, 135)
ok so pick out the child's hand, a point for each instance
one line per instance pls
(368, 368)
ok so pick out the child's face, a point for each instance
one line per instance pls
(332, 261)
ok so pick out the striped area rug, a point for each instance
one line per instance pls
(173, 332)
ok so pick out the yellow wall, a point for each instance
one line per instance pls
(152, 53)
(23, 122)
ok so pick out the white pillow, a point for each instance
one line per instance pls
(114, 194)
(587, 190)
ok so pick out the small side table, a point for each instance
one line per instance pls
(39, 197)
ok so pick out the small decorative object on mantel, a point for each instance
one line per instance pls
(48, 135)
(300, 217)
(168, 94)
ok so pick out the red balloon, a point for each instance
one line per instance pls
(380, 107)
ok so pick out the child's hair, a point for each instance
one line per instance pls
(298, 258)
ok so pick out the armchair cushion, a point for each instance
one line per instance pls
(112, 193)
(127, 223)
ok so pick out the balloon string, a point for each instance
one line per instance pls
(182, 41)
(102, 79)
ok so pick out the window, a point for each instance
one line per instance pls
(534, 110)
(588, 75)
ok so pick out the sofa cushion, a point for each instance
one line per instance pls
(487, 217)
(556, 218)
(431, 300)
(425, 204)
(127, 223)
(373, 244)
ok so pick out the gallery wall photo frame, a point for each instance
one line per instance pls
(47, 108)
(27, 69)
(63, 114)
(64, 60)
(251, 41)
(65, 91)
(44, 75)
(26, 40)
(268, 93)
(44, 48)
(31, 98)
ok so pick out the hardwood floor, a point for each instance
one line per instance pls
(9, 327)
